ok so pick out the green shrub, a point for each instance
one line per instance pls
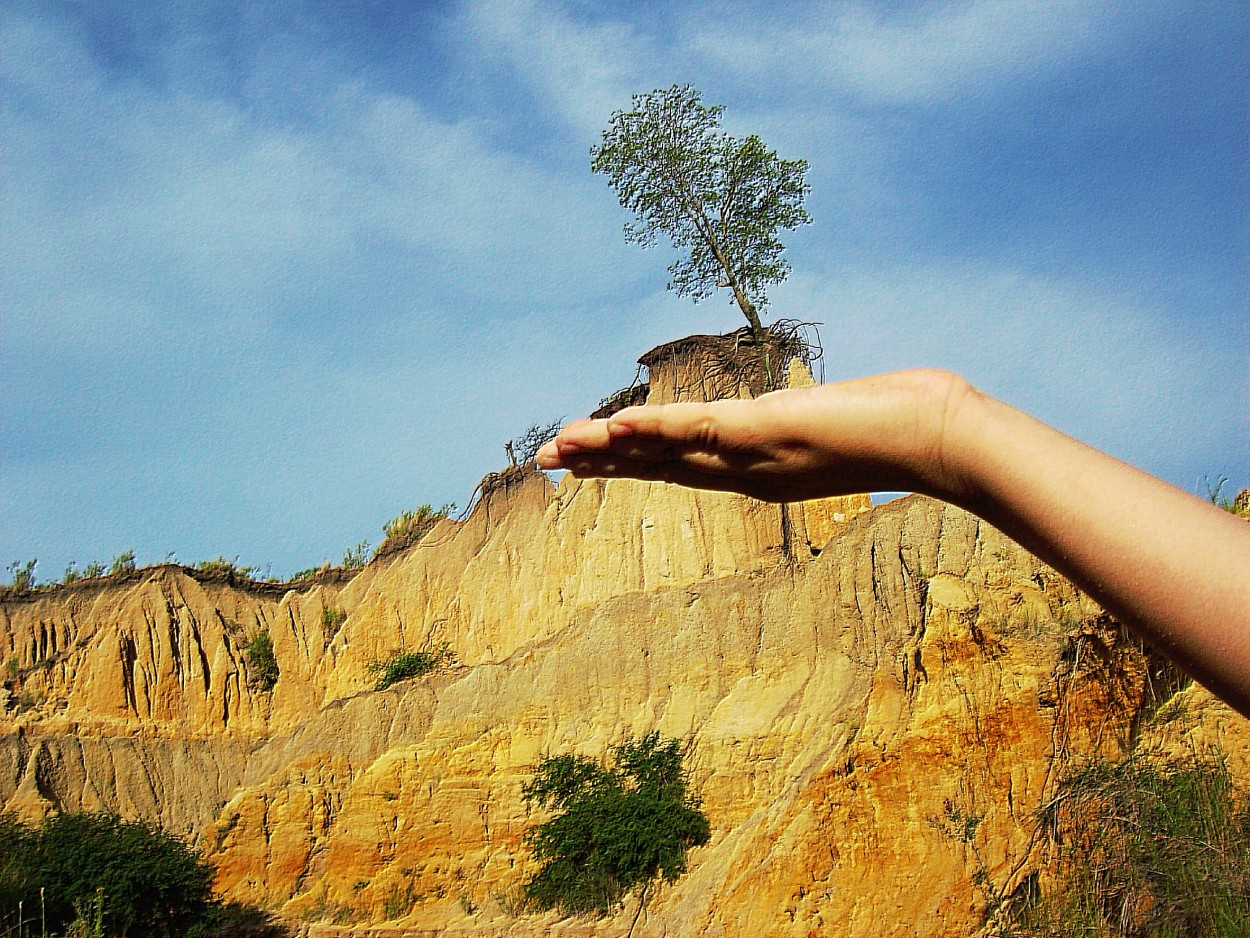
(261, 661)
(1146, 849)
(102, 876)
(403, 665)
(131, 875)
(230, 569)
(22, 575)
(309, 573)
(620, 827)
(332, 619)
(15, 851)
(354, 558)
(411, 526)
(123, 563)
(93, 569)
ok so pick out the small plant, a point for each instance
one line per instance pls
(230, 569)
(411, 526)
(354, 558)
(261, 660)
(22, 575)
(123, 563)
(332, 619)
(399, 902)
(309, 572)
(88, 917)
(1215, 493)
(404, 665)
(620, 827)
(1146, 849)
(93, 569)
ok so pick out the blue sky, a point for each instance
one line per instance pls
(274, 273)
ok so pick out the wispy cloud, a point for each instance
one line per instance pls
(925, 53)
(581, 70)
(1090, 358)
(272, 274)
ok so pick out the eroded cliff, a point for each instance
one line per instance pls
(850, 709)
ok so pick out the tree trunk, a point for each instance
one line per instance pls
(753, 318)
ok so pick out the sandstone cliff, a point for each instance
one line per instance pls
(847, 709)
(877, 700)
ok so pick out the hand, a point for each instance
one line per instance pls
(872, 434)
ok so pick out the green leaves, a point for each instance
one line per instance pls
(720, 198)
(146, 881)
(404, 665)
(1145, 848)
(262, 663)
(620, 827)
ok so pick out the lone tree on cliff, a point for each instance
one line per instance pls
(722, 198)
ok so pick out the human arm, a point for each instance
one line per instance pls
(1171, 566)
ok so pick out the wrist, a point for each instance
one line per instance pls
(954, 416)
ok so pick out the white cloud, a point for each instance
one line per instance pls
(936, 51)
(1083, 357)
(186, 204)
(584, 71)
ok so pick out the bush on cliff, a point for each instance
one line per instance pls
(100, 875)
(619, 827)
(404, 665)
(411, 526)
(262, 663)
(1145, 848)
(144, 880)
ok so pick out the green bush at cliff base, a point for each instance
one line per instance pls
(98, 875)
(142, 880)
(1146, 849)
(619, 827)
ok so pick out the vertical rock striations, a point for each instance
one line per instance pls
(873, 723)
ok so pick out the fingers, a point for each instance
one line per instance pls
(691, 470)
(707, 436)
(635, 432)
(686, 424)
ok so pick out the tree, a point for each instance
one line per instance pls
(619, 827)
(721, 198)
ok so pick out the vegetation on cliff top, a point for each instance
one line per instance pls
(619, 826)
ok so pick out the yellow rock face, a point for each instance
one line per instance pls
(872, 725)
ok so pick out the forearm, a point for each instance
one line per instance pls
(1171, 566)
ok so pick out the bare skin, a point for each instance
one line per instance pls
(1173, 567)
